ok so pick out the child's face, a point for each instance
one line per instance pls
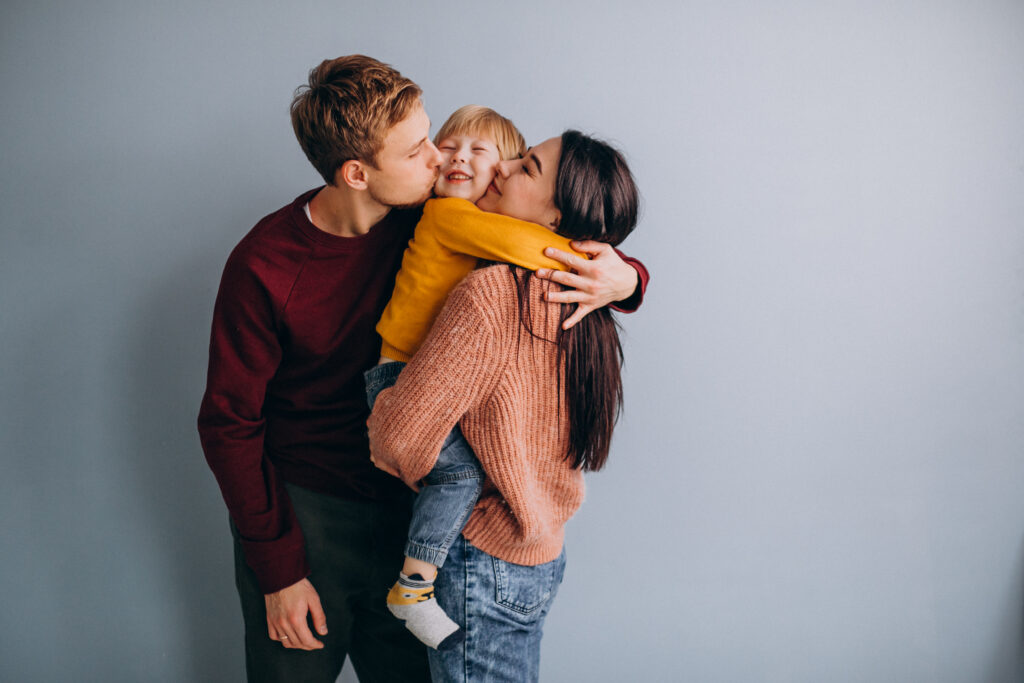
(467, 166)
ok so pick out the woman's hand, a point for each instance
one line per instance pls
(383, 466)
(594, 283)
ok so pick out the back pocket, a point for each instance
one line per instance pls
(526, 590)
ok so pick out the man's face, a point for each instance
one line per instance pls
(407, 164)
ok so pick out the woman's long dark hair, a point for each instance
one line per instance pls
(598, 199)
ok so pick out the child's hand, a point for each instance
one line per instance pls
(594, 283)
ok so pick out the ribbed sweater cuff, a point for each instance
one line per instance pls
(394, 353)
(494, 533)
(277, 571)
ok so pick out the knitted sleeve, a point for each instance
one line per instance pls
(455, 369)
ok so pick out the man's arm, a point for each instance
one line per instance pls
(608, 278)
(244, 355)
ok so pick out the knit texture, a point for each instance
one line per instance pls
(481, 369)
(452, 234)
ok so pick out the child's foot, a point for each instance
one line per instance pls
(411, 599)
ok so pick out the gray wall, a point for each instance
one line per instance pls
(819, 473)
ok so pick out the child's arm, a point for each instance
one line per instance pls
(460, 226)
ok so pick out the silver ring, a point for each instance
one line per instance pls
(284, 637)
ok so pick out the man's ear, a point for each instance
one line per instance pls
(351, 173)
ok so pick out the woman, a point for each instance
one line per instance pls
(536, 403)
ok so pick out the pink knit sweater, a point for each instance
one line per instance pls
(480, 368)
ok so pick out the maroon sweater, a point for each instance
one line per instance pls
(293, 332)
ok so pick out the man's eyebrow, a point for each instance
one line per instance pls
(417, 145)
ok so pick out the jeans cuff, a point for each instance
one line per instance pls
(435, 556)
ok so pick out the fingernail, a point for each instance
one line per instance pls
(542, 272)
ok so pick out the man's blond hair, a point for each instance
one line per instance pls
(346, 110)
(473, 119)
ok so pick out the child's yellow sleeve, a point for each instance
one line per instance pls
(460, 226)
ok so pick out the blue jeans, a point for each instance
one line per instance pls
(502, 607)
(450, 490)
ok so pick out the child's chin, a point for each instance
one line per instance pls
(461, 192)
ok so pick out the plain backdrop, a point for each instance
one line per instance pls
(819, 473)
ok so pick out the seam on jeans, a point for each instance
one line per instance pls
(466, 609)
(456, 529)
(453, 476)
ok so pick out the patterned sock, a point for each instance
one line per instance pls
(411, 599)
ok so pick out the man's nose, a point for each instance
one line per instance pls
(435, 157)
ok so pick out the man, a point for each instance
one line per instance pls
(318, 530)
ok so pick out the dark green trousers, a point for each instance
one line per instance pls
(355, 552)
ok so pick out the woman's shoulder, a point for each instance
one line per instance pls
(488, 284)
(496, 290)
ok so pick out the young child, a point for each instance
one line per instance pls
(449, 239)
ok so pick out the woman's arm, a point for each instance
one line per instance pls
(455, 369)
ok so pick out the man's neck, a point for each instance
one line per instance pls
(342, 211)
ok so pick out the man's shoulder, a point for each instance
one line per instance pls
(273, 250)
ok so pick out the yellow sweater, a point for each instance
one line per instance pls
(450, 237)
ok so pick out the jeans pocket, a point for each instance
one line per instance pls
(527, 590)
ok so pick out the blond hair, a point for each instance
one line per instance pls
(473, 119)
(346, 110)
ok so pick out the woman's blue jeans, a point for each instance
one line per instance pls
(450, 490)
(502, 607)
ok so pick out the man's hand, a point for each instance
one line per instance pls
(286, 616)
(595, 283)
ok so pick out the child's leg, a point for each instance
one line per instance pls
(440, 511)
(445, 501)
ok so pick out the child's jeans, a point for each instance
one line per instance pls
(448, 493)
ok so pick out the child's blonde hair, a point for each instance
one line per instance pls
(473, 119)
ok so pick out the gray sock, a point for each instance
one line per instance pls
(412, 600)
